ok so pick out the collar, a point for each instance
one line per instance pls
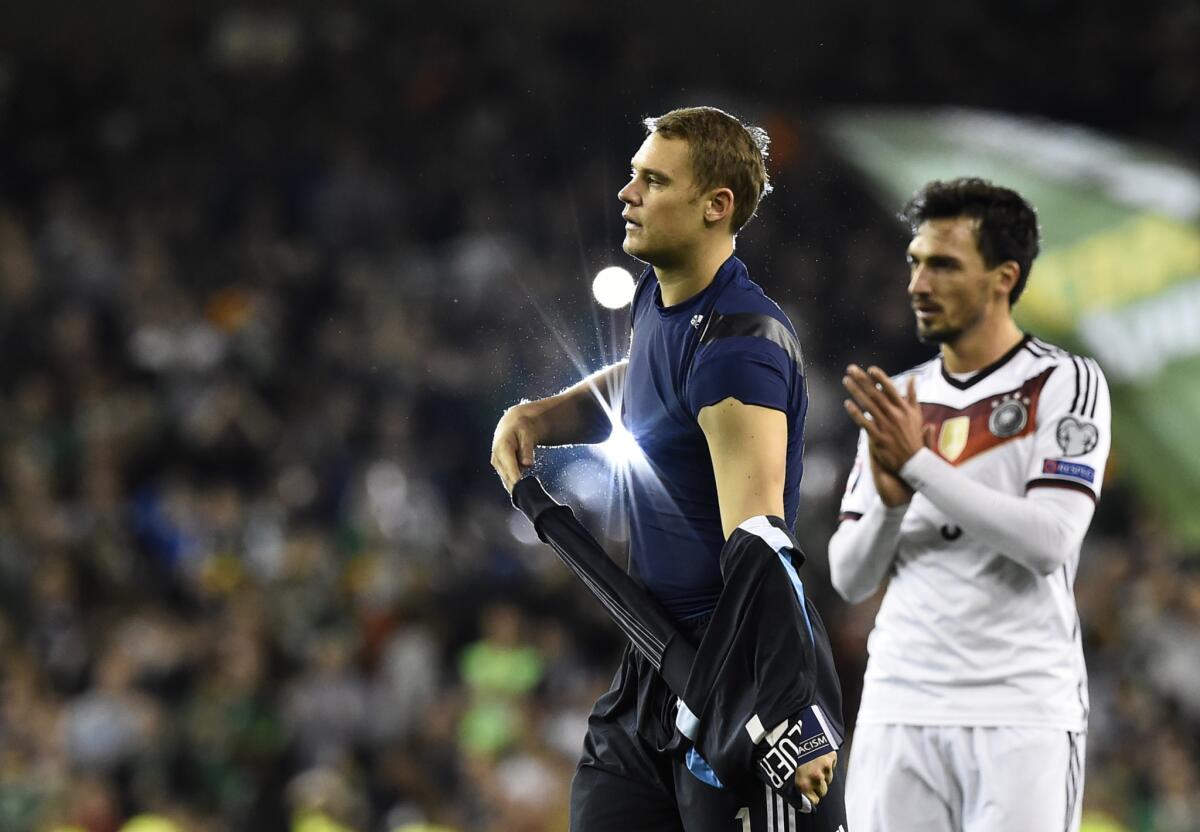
(731, 269)
(986, 371)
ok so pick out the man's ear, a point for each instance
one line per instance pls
(718, 206)
(1007, 275)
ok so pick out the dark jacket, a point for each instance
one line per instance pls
(763, 689)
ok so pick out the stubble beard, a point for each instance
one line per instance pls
(937, 336)
(947, 334)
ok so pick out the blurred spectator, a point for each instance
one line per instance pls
(267, 278)
(499, 671)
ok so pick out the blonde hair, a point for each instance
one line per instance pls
(723, 152)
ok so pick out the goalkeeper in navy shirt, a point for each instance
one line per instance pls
(713, 393)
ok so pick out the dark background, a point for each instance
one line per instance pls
(268, 276)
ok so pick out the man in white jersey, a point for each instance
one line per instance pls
(976, 478)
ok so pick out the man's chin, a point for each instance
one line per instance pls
(634, 250)
(935, 335)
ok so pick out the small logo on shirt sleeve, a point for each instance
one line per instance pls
(1076, 438)
(1073, 470)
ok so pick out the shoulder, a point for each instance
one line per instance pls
(1076, 384)
(1079, 371)
(750, 320)
(745, 297)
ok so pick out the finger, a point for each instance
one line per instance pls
(504, 460)
(822, 788)
(912, 391)
(860, 419)
(863, 393)
(873, 399)
(506, 477)
(885, 386)
(525, 452)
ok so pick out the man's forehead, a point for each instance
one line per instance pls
(661, 153)
(955, 233)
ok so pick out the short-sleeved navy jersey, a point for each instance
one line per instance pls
(730, 340)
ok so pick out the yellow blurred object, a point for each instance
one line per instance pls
(1094, 821)
(150, 823)
(310, 821)
(222, 573)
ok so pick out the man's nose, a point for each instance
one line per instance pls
(918, 281)
(628, 194)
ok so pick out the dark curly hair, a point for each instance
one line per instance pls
(1008, 225)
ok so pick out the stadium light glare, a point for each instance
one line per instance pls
(620, 449)
(613, 287)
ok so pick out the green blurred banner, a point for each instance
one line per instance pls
(1119, 276)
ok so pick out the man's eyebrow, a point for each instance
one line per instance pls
(934, 259)
(658, 174)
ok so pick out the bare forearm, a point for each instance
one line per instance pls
(579, 414)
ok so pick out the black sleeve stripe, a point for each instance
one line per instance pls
(1049, 483)
(1096, 398)
(1083, 380)
(1093, 376)
(753, 325)
(1087, 400)
(849, 515)
(1075, 401)
(1037, 349)
(1083, 408)
(1088, 391)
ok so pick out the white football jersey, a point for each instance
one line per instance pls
(966, 635)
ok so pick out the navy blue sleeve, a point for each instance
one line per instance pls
(750, 369)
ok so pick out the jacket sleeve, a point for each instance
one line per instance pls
(763, 689)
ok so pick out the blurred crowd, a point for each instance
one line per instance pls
(261, 304)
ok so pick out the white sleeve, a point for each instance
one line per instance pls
(862, 549)
(1073, 435)
(1039, 530)
(860, 486)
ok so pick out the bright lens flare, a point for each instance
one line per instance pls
(620, 449)
(613, 287)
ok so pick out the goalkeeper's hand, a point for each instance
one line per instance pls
(813, 778)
